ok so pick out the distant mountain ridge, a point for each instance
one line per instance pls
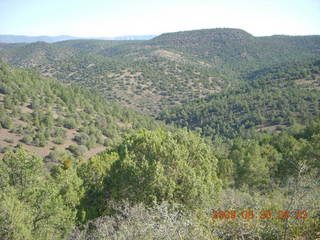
(168, 70)
(51, 39)
(238, 50)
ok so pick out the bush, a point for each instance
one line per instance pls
(18, 129)
(40, 139)
(156, 166)
(8, 140)
(59, 140)
(58, 132)
(58, 155)
(27, 139)
(69, 123)
(91, 142)
(82, 138)
(8, 103)
(77, 150)
(6, 123)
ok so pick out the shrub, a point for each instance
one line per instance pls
(58, 155)
(156, 166)
(8, 140)
(69, 123)
(58, 132)
(6, 123)
(81, 138)
(40, 139)
(27, 139)
(59, 140)
(77, 150)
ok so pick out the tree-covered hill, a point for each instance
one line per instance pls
(168, 70)
(236, 50)
(53, 119)
(140, 82)
(269, 99)
(31, 55)
(93, 47)
(147, 84)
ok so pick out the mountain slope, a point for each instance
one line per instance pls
(216, 47)
(33, 54)
(270, 99)
(171, 69)
(145, 84)
(51, 118)
(237, 50)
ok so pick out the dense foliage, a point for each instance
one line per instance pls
(35, 204)
(155, 179)
(266, 173)
(162, 166)
(268, 99)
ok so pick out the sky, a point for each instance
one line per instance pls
(110, 18)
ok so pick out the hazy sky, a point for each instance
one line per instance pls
(107, 18)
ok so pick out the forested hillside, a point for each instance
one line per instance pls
(168, 70)
(234, 50)
(52, 119)
(147, 84)
(267, 100)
